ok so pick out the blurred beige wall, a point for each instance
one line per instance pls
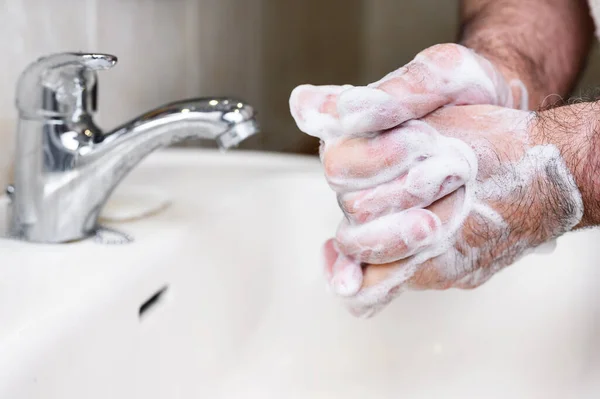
(254, 49)
(397, 30)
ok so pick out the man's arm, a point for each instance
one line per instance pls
(543, 43)
(575, 130)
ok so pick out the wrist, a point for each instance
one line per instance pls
(511, 65)
(575, 131)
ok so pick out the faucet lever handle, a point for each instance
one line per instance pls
(61, 84)
(86, 60)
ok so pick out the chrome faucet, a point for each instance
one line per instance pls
(66, 167)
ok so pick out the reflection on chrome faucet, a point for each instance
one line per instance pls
(66, 167)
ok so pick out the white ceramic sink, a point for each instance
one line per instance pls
(244, 312)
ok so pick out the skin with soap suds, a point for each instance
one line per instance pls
(439, 192)
(447, 74)
(429, 201)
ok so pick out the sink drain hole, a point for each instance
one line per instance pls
(152, 302)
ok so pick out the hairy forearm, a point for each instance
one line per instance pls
(575, 130)
(542, 43)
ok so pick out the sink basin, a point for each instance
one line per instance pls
(221, 296)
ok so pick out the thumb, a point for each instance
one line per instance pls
(314, 109)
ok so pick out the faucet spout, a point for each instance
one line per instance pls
(66, 167)
(113, 154)
(225, 120)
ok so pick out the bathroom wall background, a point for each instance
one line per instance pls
(254, 49)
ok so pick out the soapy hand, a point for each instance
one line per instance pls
(443, 201)
(444, 74)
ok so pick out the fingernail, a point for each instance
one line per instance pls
(347, 277)
(421, 232)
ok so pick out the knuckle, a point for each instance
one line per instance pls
(332, 162)
(445, 55)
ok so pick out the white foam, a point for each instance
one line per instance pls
(427, 157)
(364, 110)
(472, 79)
(524, 97)
(305, 106)
(347, 277)
(532, 165)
